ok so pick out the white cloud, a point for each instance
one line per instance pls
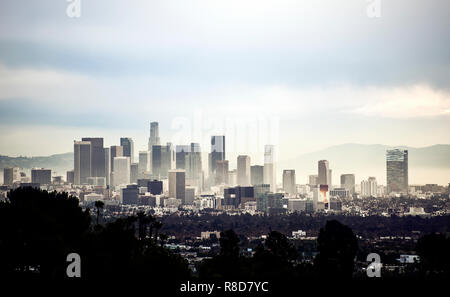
(405, 102)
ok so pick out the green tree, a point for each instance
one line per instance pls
(337, 247)
(99, 205)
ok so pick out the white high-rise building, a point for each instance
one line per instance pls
(369, 188)
(121, 174)
(270, 167)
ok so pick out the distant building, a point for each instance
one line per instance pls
(257, 175)
(296, 205)
(348, 183)
(134, 170)
(237, 195)
(70, 176)
(130, 194)
(121, 174)
(97, 181)
(154, 135)
(221, 172)
(243, 170)
(369, 188)
(128, 148)
(115, 151)
(92, 197)
(181, 152)
(177, 184)
(270, 167)
(313, 180)
(41, 176)
(397, 171)
(163, 158)
(340, 192)
(155, 187)
(324, 172)
(10, 175)
(97, 156)
(289, 182)
(189, 158)
(82, 162)
(144, 163)
(217, 152)
(189, 195)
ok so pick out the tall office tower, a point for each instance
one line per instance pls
(194, 176)
(115, 151)
(243, 170)
(154, 135)
(134, 172)
(107, 157)
(369, 188)
(324, 172)
(397, 171)
(163, 157)
(177, 184)
(41, 176)
(121, 174)
(256, 175)
(97, 159)
(128, 147)
(156, 161)
(144, 163)
(10, 175)
(82, 161)
(181, 152)
(70, 176)
(270, 167)
(348, 183)
(221, 173)
(217, 152)
(313, 180)
(289, 182)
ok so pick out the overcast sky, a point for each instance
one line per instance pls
(317, 73)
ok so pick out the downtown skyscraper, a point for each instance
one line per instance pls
(154, 135)
(128, 147)
(217, 152)
(397, 171)
(243, 170)
(82, 161)
(270, 176)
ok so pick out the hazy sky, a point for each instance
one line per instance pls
(318, 73)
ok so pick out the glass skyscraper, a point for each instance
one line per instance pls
(397, 171)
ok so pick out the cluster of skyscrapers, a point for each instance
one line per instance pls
(178, 172)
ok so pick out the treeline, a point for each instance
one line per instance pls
(39, 229)
(248, 225)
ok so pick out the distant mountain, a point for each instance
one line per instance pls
(59, 163)
(426, 165)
